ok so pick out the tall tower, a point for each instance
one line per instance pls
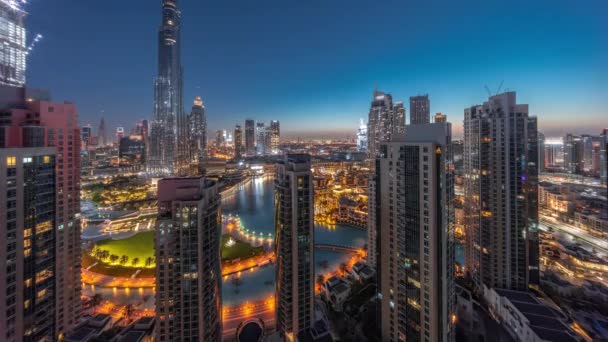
(188, 275)
(604, 156)
(385, 119)
(238, 141)
(197, 132)
(250, 137)
(168, 142)
(416, 264)
(27, 247)
(101, 133)
(294, 205)
(420, 110)
(13, 48)
(275, 137)
(501, 175)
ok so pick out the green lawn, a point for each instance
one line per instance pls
(240, 250)
(139, 246)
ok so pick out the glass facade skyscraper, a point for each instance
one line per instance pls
(168, 146)
(13, 50)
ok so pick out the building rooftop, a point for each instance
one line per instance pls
(546, 322)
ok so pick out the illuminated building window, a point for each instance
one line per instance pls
(11, 161)
(46, 159)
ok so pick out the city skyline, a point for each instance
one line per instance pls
(296, 61)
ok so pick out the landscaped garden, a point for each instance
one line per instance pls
(233, 249)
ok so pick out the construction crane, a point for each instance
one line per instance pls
(490, 94)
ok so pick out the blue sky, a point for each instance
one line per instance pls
(314, 64)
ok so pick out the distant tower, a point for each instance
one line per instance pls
(501, 189)
(275, 137)
(260, 138)
(294, 221)
(168, 141)
(250, 137)
(197, 132)
(238, 141)
(362, 136)
(420, 110)
(13, 48)
(188, 275)
(604, 156)
(385, 119)
(441, 118)
(101, 133)
(120, 133)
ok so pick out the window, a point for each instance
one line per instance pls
(11, 161)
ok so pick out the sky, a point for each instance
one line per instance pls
(314, 64)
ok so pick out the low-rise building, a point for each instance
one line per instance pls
(591, 221)
(362, 272)
(527, 318)
(352, 212)
(141, 330)
(336, 290)
(89, 329)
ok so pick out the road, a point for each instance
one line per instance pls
(599, 243)
(233, 316)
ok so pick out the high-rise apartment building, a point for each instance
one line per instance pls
(27, 247)
(168, 142)
(275, 137)
(542, 160)
(13, 48)
(420, 110)
(362, 136)
(86, 135)
(260, 138)
(604, 156)
(250, 137)
(385, 119)
(188, 275)
(54, 124)
(101, 133)
(415, 191)
(501, 174)
(238, 141)
(294, 220)
(197, 132)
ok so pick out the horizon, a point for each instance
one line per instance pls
(302, 64)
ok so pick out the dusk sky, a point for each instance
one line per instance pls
(313, 64)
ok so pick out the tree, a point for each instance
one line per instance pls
(135, 261)
(113, 258)
(124, 259)
(128, 311)
(148, 261)
(95, 300)
(343, 268)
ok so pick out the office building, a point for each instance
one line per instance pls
(420, 110)
(275, 137)
(249, 137)
(294, 222)
(27, 247)
(86, 134)
(500, 159)
(197, 132)
(238, 141)
(416, 237)
(188, 275)
(542, 162)
(261, 137)
(573, 154)
(131, 150)
(168, 126)
(219, 138)
(13, 49)
(385, 119)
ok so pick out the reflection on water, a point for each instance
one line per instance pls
(254, 203)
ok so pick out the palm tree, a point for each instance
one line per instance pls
(148, 261)
(124, 259)
(95, 300)
(113, 257)
(128, 312)
(135, 261)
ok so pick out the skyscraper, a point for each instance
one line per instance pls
(542, 160)
(604, 156)
(168, 126)
(275, 137)
(573, 154)
(238, 141)
(294, 196)
(13, 48)
(500, 157)
(101, 133)
(250, 137)
(260, 138)
(188, 275)
(197, 132)
(385, 119)
(362, 136)
(416, 239)
(420, 110)
(27, 246)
